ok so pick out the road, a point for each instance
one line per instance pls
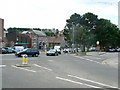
(63, 71)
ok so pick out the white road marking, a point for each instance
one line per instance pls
(50, 60)
(2, 65)
(87, 59)
(77, 82)
(42, 67)
(23, 68)
(92, 57)
(92, 81)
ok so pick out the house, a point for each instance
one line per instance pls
(56, 40)
(38, 38)
(15, 37)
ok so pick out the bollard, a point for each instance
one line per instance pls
(45, 51)
(24, 59)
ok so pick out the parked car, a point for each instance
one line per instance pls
(3, 51)
(92, 48)
(9, 50)
(52, 52)
(110, 50)
(29, 52)
(58, 50)
(67, 50)
(118, 49)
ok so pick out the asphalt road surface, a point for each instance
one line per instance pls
(63, 71)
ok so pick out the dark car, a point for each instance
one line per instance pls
(52, 52)
(29, 52)
(110, 50)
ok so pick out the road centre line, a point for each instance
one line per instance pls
(92, 81)
(68, 80)
(42, 67)
(23, 68)
(87, 59)
(50, 60)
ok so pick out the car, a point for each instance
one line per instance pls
(67, 50)
(118, 49)
(29, 52)
(9, 50)
(58, 50)
(3, 51)
(110, 50)
(52, 52)
(93, 49)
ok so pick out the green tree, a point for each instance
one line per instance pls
(107, 33)
(82, 29)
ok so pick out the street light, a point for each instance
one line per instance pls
(73, 36)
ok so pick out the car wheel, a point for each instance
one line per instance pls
(36, 55)
(56, 54)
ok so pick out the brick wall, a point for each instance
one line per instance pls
(1, 31)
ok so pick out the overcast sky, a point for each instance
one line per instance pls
(53, 13)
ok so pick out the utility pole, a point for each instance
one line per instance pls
(73, 44)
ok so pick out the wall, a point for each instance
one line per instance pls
(1, 31)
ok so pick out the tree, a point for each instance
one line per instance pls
(107, 33)
(68, 30)
(83, 29)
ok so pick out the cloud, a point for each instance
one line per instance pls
(53, 13)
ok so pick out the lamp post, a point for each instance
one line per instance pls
(73, 42)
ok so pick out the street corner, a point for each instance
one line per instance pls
(95, 53)
(111, 62)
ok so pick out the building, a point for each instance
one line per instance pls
(1, 32)
(119, 14)
(56, 40)
(38, 39)
(15, 37)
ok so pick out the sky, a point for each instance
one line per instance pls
(53, 13)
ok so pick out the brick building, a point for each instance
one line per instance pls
(15, 37)
(38, 38)
(1, 32)
(56, 40)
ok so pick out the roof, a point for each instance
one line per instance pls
(39, 33)
(25, 32)
(55, 39)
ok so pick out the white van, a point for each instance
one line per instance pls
(18, 48)
(58, 49)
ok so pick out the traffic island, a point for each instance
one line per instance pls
(22, 65)
(24, 62)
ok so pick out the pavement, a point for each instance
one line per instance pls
(111, 61)
(111, 58)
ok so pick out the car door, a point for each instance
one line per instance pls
(28, 52)
(32, 51)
